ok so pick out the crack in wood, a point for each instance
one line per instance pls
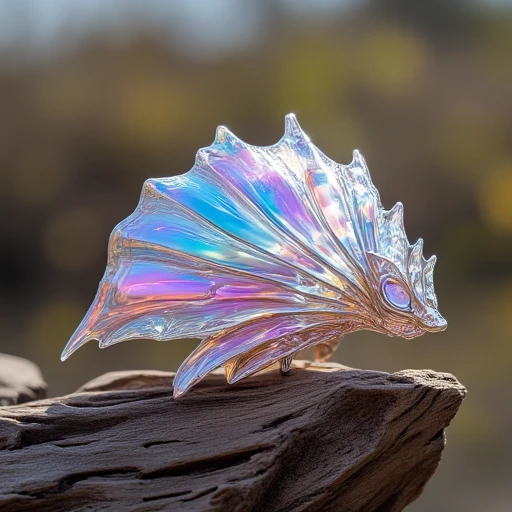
(318, 440)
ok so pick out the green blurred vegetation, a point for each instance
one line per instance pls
(422, 89)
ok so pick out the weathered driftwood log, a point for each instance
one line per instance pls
(20, 381)
(323, 438)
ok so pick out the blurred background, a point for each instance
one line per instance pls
(96, 97)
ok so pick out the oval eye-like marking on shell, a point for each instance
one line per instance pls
(396, 294)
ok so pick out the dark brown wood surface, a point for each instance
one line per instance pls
(323, 438)
(20, 381)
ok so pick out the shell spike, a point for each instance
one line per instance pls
(432, 260)
(396, 214)
(428, 265)
(79, 338)
(416, 253)
(418, 246)
(428, 281)
(223, 135)
(358, 166)
(201, 157)
(416, 267)
(292, 128)
(357, 158)
(87, 329)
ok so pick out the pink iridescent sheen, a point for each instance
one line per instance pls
(260, 252)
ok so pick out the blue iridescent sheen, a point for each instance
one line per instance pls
(259, 252)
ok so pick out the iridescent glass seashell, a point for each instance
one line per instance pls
(260, 252)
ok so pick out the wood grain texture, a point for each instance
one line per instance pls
(20, 381)
(323, 438)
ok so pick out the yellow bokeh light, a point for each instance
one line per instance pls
(391, 59)
(495, 196)
(149, 110)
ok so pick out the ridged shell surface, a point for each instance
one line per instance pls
(260, 252)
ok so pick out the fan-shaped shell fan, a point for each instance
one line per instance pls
(260, 252)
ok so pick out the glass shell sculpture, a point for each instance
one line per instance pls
(260, 252)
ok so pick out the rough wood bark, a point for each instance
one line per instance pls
(20, 381)
(323, 438)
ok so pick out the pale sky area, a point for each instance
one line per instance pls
(198, 28)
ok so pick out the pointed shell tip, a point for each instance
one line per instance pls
(357, 157)
(220, 135)
(397, 212)
(177, 393)
(292, 127)
(432, 260)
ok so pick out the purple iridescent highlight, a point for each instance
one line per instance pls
(260, 252)
(396, 294)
